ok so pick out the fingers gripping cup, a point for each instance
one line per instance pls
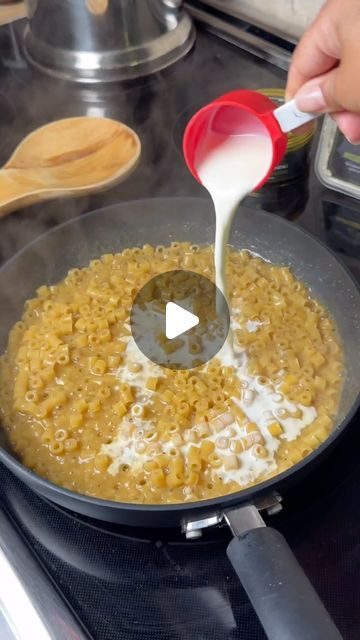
(240, 113)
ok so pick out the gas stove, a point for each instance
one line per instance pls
(83, 579)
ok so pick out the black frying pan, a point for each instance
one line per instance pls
(285, 602)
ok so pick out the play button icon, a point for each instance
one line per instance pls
(179, 319)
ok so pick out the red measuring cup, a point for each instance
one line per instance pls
(238, 113)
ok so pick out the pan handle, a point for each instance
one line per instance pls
(285, 601)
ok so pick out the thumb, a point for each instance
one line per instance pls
(319, 95)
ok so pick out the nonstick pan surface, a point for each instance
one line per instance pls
(159, 221)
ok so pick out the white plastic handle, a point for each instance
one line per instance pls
(290, 117)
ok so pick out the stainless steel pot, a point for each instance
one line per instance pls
(106, 40)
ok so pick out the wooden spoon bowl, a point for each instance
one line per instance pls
(68, 157)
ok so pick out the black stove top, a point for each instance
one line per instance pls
(131, 584)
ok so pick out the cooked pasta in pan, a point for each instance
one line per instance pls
(84, 408)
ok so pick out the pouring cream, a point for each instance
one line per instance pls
(230, 171)
(230, 168)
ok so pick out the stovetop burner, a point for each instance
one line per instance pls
(131, 584)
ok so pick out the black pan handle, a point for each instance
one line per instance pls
(286, 603)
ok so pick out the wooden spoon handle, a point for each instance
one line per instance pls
(17, 190)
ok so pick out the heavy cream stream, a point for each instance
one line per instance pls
(230, 172)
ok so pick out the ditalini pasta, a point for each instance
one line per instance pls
(85, 408)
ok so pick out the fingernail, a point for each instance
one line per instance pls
(354, 142)
(310, 98)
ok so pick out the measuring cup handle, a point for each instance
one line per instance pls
(290, 117)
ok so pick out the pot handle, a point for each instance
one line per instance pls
(285, 601)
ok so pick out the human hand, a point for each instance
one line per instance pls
(324, 75)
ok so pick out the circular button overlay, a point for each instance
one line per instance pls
(180, 319)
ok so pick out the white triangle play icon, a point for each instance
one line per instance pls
(178, 320)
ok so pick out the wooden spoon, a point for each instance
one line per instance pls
(97, 7)
(68, 157)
